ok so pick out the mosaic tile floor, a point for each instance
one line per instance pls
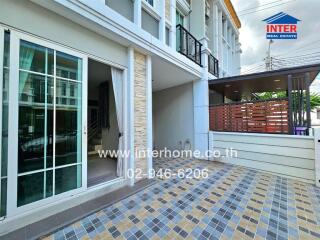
(232, 203)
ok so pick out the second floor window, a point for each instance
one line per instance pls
(150, 2)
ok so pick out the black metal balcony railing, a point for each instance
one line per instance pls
(188, 45)
(213, 64)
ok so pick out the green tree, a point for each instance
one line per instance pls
(314, 100)
(314, 97)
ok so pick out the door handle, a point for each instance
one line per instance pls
(85, 130)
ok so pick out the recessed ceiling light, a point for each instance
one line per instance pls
(228, 85)
(277, 80)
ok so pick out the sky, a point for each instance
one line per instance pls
(253, 40)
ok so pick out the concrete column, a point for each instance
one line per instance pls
(137, 12)
(131, 112)
(226, 52)
(173, 24)
(149, 115)
(317, 155)
(220, 46)
(216, 31)
(201, 105)
(234, 50)
(230, 48)
(162, 23)
(237, 57)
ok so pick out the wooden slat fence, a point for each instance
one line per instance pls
(270, 116)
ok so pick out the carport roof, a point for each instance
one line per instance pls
(270, 81)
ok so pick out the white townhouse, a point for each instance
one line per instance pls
(78, 76)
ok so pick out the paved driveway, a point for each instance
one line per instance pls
(233, 202)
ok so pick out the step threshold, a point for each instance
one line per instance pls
(60, 220)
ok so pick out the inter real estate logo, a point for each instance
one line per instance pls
(282, 26)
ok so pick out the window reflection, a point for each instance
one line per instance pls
(36, 123)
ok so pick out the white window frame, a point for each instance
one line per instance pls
(12, 208)
(1, 97)
(181, 14)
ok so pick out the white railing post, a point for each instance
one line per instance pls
(317, 155)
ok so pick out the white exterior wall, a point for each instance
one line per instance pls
(285, 155)
(173, 117)
(34, 19)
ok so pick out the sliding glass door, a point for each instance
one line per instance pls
(47, 136)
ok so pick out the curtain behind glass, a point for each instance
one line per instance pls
(26, 58)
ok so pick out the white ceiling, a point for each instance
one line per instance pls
(166, 75)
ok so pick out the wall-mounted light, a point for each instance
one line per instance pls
(277, 80)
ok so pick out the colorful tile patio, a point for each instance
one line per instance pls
(232, 203)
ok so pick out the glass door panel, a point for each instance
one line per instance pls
(49, 123)
(34, 187)
(35, 127)
(68, 123)
(35, 122)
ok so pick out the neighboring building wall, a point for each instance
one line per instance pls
(140, 110)
(37, 20)
(173, 117)
(290, 156)
(315, 117)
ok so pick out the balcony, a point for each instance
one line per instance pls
(188, 45)
(213, 65)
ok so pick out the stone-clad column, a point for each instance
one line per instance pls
(140, 115)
